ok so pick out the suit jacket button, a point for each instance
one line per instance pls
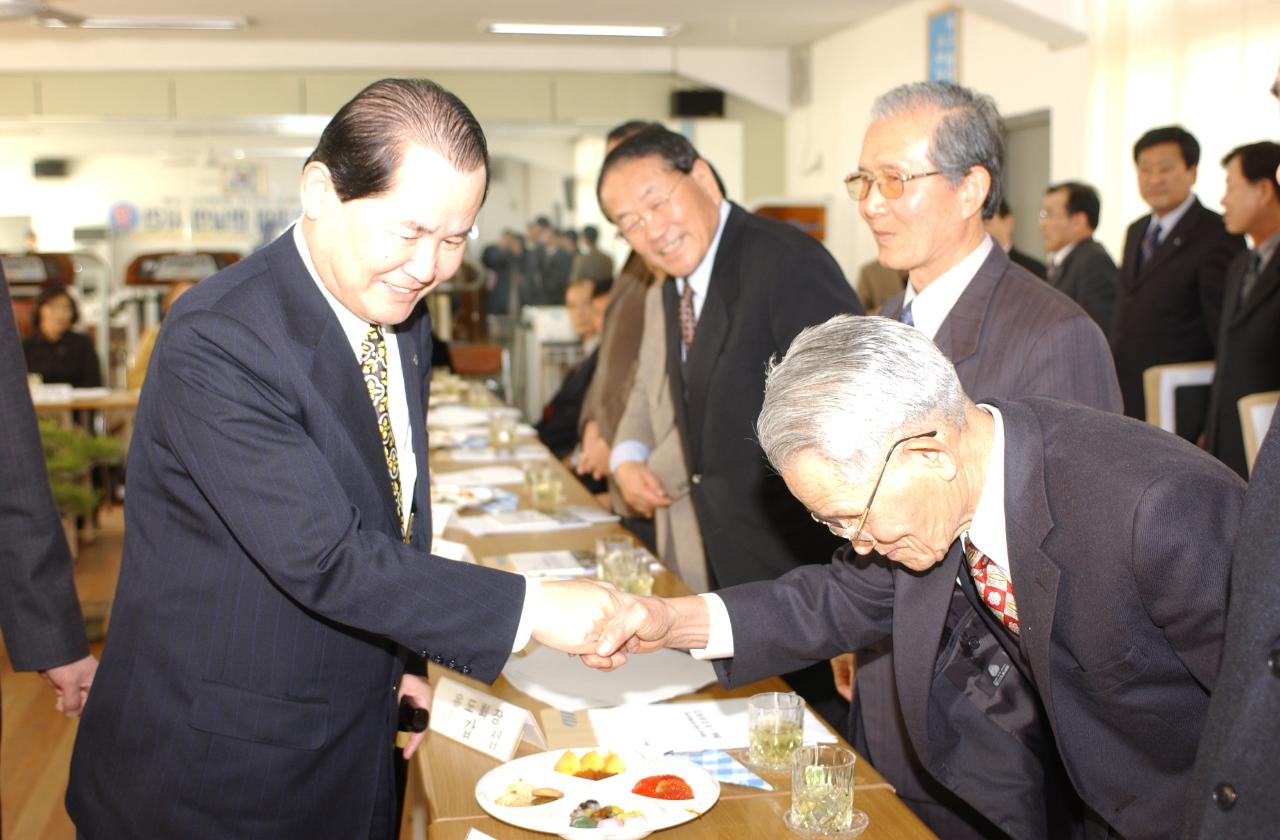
(437, 659)
(1225, 796)
(422, 653)
(453, 663)
(466, 669)
(1273, 662)
(696, 478)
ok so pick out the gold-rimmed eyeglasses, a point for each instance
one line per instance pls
(631, 223)
(854, 534)
(891, 184)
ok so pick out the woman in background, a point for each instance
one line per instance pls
(54, 351)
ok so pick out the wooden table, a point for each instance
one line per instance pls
(120, 399)
(447, 772)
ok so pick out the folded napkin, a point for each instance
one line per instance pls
(725, 768)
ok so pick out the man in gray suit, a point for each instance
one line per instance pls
(935, 156)
(1079, 266)
(1056, 581)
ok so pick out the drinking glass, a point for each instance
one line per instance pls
(628, 570)
(821, 790)
(775, 722)
(546, 490)
(502, 430)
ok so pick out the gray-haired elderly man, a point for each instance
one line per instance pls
(930, 170)
(1039, 551)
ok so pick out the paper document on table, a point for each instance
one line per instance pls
(480, 475)
(686, 727)
(561, 563)
(486, 454)
(454, 416)
(524, 521)
(451, 550)
(565, 683)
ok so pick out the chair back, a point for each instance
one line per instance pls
(1256, 411)
(1178, 396)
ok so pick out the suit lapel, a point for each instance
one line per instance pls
(961, 330)
(334, 371)
(920, 606)
(1028, 523)
(1172, 242)
(1267, 284)
(417, 372)
(713, 326)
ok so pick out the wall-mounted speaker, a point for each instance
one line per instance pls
(706, 102)
(50, 168)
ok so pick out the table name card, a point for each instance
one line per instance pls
(482, 722)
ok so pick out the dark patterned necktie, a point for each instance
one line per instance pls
(688, 318)
(1150, 242)
(373, 367)
(1250, 276)
(995, 590)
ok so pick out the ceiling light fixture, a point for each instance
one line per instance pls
(589, 30)
(199, 24)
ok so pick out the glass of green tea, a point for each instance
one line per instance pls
(821, 790)
(775, 729)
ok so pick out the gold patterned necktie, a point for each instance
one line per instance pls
(995, 590)
(688, 319)
(373, 367)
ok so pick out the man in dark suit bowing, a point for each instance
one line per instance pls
(1248, 359)
(1235, 787)
(1040, 552)
(742, 286)
(1169, 299)
(277, 594)
(1079, 266)
(929, 172)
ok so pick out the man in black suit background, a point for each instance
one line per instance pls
(39, 613)
(1039, 551)
(1169, 299)
(1235, 787)
(277, 595)
(1008, 334)
(1079, 266)
(742, 286)
(1249, 338)
(1001, 226)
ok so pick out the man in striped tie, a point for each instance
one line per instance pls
(1037, 550)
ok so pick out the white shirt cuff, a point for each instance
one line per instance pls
(532, 603)
(625, 451)
(719, 631)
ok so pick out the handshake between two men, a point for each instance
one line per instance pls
(603, 625)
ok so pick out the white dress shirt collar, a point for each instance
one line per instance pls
(1170, 220)
(930, 307)
(1060, 256)
(700, 277)
(988, 529)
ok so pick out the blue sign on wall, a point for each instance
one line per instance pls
(944, 46)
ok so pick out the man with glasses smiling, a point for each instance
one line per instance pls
(929, 173)
(741, 288)
(1041, 555)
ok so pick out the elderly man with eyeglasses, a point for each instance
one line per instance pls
(930, 171)
(1040, 554)
(741, 287)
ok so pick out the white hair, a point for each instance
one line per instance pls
(847, 389)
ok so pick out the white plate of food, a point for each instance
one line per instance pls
(461, 497)
(634, 797)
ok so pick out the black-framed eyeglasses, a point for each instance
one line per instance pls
(891, 184)
(843, 531)
(635, 221)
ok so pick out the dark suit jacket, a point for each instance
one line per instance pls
(1118, 537)
(1088, 276)
(1248, 357)
(1168, 311)
(267, 606)
(1027, 261)
(1009, 336)
(558, 428)
(1235, 789)
(39, 613)
(769, 282)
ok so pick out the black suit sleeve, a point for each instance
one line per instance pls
(39, 612)
(229, 420)
(1211, 280)
(825, 294)
(1097, 294)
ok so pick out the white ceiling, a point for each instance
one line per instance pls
(736, 23)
